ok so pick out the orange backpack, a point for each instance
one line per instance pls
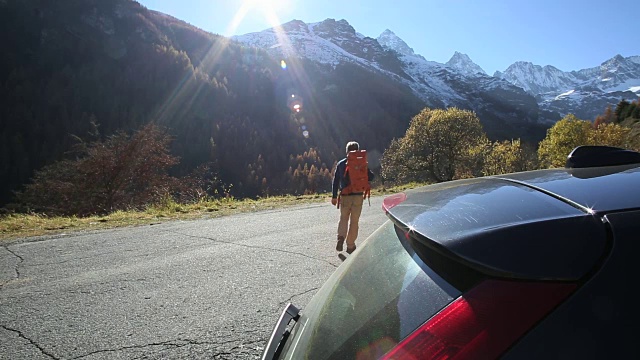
(358, 172)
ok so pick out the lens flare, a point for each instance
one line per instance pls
(283, 64)
(267, 10)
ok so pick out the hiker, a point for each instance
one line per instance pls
(349, 191)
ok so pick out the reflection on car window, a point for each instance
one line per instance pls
(383, 290)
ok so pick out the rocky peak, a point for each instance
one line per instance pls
(462, 63)
(296, 26)
(619, 72)
(390, 41)
(616, 63)
(536, 79)
(330, 28)
(341, 33)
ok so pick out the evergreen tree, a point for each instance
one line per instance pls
(621, 110)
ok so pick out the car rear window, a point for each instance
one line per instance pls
(371, 302)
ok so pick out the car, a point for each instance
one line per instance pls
(530, 265)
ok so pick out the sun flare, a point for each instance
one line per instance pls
(268, 5)
(267, 9)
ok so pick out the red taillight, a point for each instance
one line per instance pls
(484, 322)
(393, 200)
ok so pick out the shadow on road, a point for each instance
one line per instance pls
(342, 257)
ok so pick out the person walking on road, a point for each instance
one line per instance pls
(348, 200)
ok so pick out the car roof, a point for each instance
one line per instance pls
(600, 189)
(544, 224)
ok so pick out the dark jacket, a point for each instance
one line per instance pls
(339, 180)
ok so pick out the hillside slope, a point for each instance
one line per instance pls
(68, 65)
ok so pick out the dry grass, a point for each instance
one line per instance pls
(15, 226)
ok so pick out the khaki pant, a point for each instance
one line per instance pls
(350, 210)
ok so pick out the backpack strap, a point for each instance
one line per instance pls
(347, 189)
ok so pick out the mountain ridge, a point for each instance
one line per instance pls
(89, 69)
(591, 89)
(506, 110)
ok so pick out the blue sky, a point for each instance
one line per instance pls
(568, 34)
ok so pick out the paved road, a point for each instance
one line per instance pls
(206, 289)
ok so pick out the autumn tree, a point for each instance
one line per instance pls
(121, 172)
(607, 118)
(308, 173)
(394, 169)
(437, 146)
(561, 139)
(504, 157)
(610, 135)
(571, 132)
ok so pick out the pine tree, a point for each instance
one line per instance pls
(621, 110)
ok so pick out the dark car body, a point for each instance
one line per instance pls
(531, 265)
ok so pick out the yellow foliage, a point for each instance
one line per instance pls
(561, 139)
(508, 157)
(437, 146)
(570, 132)
(610, 134)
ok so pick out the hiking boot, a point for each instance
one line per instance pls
(350, 250)
(339, 243)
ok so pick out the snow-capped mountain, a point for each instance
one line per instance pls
(585, 93)
(523, 99)
(328, 42)
(334, 42)
(389, 40)
(462, 63)
(536, 79)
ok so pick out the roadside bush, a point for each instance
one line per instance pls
(120, 173)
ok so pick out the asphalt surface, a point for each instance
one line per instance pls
(205, 289)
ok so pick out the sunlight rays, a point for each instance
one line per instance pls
(268, 9)
(247, 11)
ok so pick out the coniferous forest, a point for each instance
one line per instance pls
(79, 73)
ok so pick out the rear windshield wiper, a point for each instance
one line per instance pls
(280, 332)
